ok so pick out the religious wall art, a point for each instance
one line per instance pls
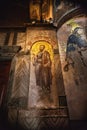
(40, 10)
(34, 11)
(45, 9)
(41, 75)
(42, 63)
(72, 39)
(76, 42)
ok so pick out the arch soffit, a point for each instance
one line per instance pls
(77, 11)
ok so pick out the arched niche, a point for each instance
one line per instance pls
(43, 91)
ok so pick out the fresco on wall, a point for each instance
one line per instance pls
(74, 45)
(42, 63)
(40, 10)
(36, 83)
(76, 42)
(41, 75)
(73, 54)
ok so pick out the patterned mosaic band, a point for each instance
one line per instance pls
(39, 119)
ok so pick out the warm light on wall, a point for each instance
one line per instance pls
(41, 11)
(36, 45)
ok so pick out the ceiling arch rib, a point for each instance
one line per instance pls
(70, 14)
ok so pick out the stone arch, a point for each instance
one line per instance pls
(70, 14)
(77, 73)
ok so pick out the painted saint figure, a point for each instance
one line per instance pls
(76, 41)
(42, 65)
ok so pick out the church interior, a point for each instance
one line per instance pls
(43, 65)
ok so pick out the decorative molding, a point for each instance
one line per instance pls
(39, 119)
